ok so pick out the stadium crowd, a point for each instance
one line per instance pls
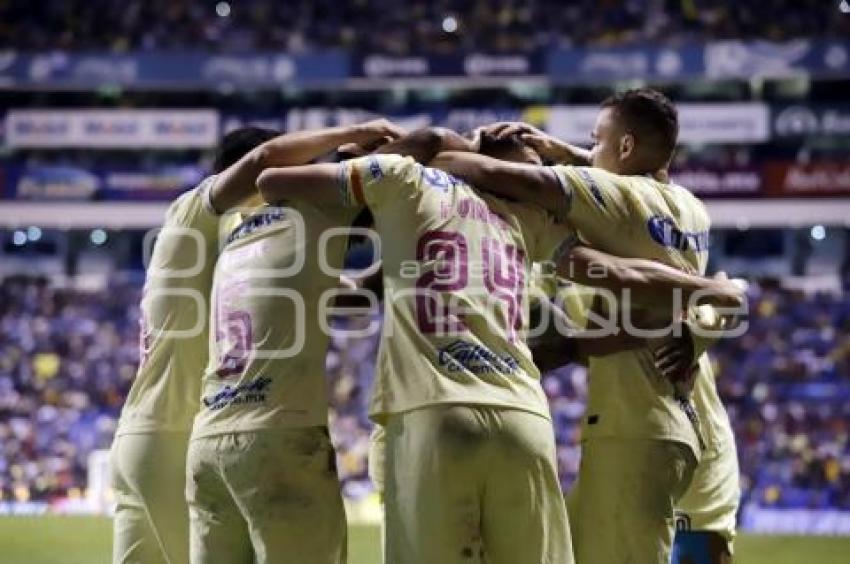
(383, 26)
(68, 356)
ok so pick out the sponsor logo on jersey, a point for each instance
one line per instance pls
(665, 232)
(249, 392)
(437, 179)
(463, 355)
(594, 187)
(255, 222)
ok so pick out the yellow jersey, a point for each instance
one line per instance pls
(174, 311)
(456, 275)
(636, 217)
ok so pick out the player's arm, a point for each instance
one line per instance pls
(703, 326)
(323, 185)
(515, 181)
(370, 181)
(554, 349)
(425, 143)
(649, 282)
(315, 183)
(238, 182)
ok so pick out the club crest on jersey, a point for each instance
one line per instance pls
(256, 221)
(665, 232)
(463, 355)
(249, 392)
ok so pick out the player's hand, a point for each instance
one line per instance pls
(505, 129)
(674, 360)
(377, 129)
(475, 139)
(361, 149)
(555, 150)
(547, 146)
(724, 292)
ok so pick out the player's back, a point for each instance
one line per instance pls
(470, 453)
(174, 310)
(636, 216)
(456, 270)
(267, 345)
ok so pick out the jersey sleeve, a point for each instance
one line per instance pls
(592, 195)
(375, 180)
(193, 210)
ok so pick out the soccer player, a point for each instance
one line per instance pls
(149, 451)
(470, 456)
(649, 282)
(706, 514)
(642, 437)
(262, 483)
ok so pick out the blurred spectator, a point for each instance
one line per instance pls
(67, 358)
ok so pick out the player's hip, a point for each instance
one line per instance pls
(143, 464)
(258, 419)
(263, 451)
(643, 469)
(138, 419)
(300, 439)
(711, 501)
(667, 426)
(283, 468)
(465, 431)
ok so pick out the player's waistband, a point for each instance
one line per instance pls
(380, 416)
(206, 431)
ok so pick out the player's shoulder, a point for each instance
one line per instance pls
(258, 221)
(416, 175)
(597, 184)
(383, 166)
(687, 199)
(524, 212)
(587, 174)
(192, 204)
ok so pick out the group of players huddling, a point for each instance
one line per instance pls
(223, 454)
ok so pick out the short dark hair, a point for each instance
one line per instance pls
(493, 146)
(648, 115)
(505, 148)
(238, 143)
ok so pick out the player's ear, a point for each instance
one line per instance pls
(627, 146)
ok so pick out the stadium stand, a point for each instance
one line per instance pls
(377, 26)
(67, 357)
(765, 139)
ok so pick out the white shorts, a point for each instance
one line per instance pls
(622, 506)
(151, 523)
(469, 484)
(265, 497)
(711, 502)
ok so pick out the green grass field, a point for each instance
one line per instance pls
(86, 540)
